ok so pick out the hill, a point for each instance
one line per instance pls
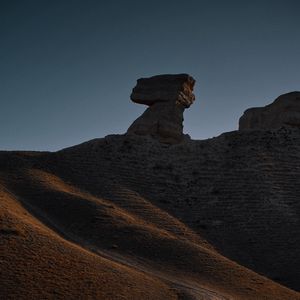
(153, 214)
(168, 220)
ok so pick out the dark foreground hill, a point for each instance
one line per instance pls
(127, 217)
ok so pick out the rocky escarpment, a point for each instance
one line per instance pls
(283, 112)
(167, 97)
(240, 190)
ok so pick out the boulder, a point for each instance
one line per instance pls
(167, 97)
(283, 112)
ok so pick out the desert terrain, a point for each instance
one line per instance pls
(138, 217)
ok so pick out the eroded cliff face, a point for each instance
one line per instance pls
(283, 112)
(167, 97)
(240, 191)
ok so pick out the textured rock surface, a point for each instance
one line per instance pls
(283, 112)
(240, 190)
(164, 88)
(167, 96)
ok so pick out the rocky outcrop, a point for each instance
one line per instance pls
(167, 97)
(283, 112)
(240, 191)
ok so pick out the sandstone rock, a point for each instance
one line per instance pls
(167, 96)
(283, 112)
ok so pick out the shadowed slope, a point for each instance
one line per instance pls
(124, 198)
(243, 190)
(240, 190)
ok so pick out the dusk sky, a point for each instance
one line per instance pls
(67, 67)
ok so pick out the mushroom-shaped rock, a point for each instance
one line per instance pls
(283, 112)
(167, 97)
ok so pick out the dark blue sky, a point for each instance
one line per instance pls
(67, 67)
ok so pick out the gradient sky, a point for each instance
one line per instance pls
(67, 67)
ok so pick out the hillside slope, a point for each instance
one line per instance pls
(126, 217)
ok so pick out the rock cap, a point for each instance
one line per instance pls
(176, 88)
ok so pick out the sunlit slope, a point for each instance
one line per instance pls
(37, 263)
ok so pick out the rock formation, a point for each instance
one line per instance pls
(127, 217)
(167, 97)
(283, 112)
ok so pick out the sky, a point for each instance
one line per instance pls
(67, 68)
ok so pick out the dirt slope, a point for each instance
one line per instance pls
(130, 218)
